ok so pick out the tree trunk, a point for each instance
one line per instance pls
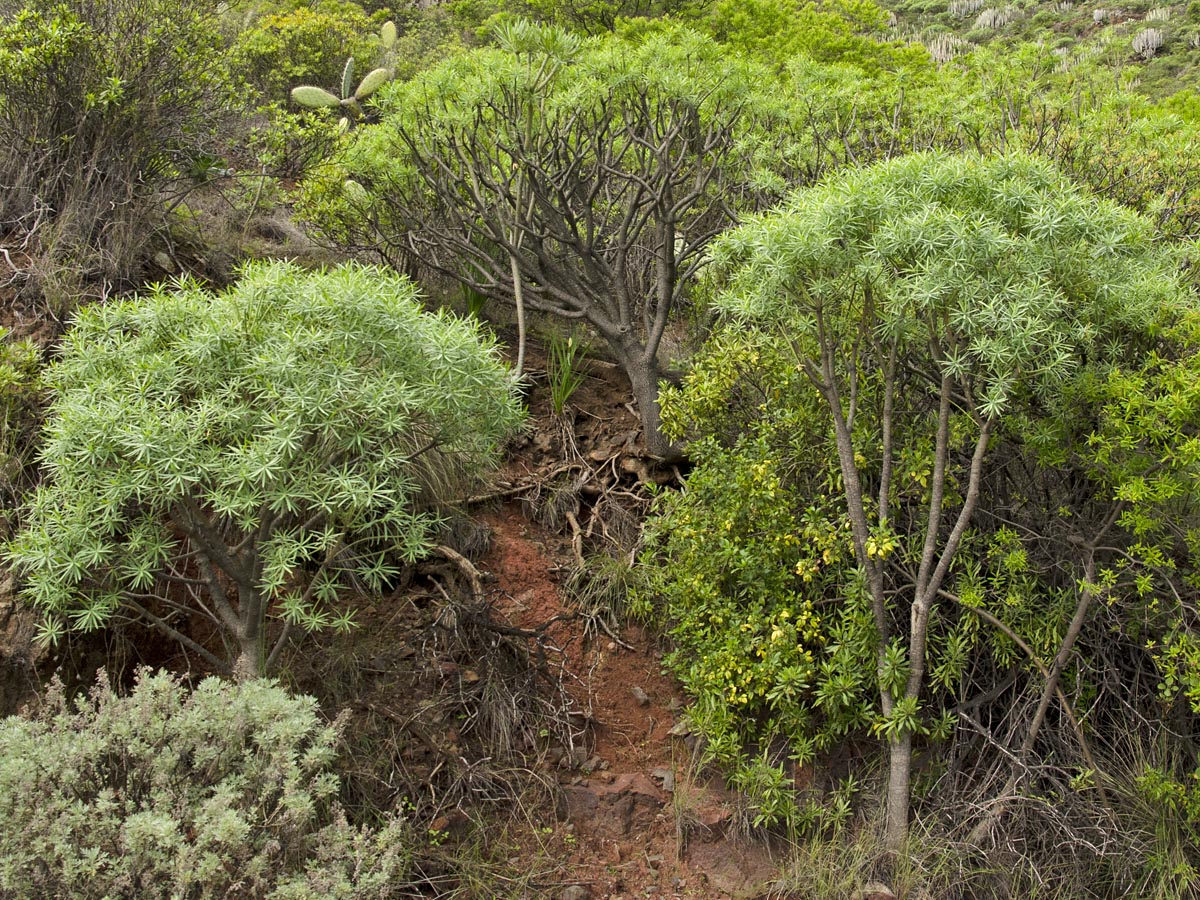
(643, 379)
(519, 299)
(899, 775)
(250, 663)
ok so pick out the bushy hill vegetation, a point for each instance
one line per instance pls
(905, 298)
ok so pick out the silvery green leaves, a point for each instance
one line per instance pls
(523, 37)
(225, 790)
(936, 304)
(271, 442)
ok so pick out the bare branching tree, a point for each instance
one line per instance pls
(580, 181)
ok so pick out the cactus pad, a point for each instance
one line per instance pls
(315, 97)
(372, 82)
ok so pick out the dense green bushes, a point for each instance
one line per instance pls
(289, 45)
(224, 791)
(104, 106)
(844, 32)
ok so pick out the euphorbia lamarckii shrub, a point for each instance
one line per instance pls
(581, 179)
(218, 457)
(935, 317)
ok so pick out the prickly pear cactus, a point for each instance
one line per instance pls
(319, 98)
(372, 82)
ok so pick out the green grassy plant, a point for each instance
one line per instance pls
(562, 370)
(600, 590)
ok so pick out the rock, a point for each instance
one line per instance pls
(875, 891)
(578, 803)
(628, 804)
(642, 698)
(454, 823)
(710, 814)
(575, 758)
(740, 870)
(595, 764)
(714, 821)
(575, 892)
(632, 465)
(666, 776)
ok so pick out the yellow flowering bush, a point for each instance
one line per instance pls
(747, 564)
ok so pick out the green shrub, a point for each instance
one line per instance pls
(275, 445)
(837, 31)
(775, 670)
(304, 45)
(104, 106)
(599, 16)
(294, 144)
(225, 791)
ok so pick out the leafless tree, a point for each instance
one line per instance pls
(598, 210)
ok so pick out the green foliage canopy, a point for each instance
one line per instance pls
(837, 31)
(1099, 132)
(581, 179)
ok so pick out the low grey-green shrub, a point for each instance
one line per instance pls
(226, 791)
